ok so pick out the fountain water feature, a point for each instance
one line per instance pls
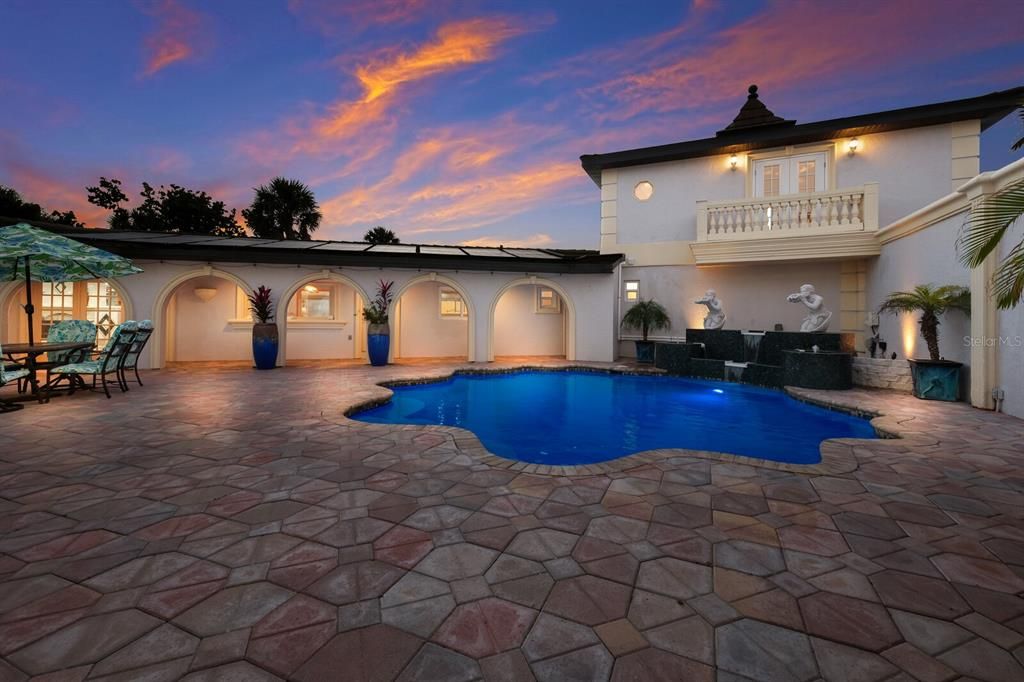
(751, 343)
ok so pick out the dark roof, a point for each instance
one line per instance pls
(195, 247)
(988, 108)
(754, 114)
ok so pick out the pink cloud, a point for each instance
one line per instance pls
(178, 33)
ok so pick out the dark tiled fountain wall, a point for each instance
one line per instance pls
(707, 350)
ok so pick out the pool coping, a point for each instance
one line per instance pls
(838, 455)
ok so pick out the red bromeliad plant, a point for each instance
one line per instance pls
(260, 305)
(377, 311)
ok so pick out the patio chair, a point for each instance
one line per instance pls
(68, 331)
(131, 358)
(108, 362)
(6, 377)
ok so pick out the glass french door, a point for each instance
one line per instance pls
(799, 174)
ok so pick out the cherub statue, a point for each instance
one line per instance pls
(715, 319)
(817, 315)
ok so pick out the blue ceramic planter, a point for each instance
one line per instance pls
(936, 379)
(378, 344)
(645, 352)
(264, 345)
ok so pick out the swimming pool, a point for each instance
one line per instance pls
(579, 417)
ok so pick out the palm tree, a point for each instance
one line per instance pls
(646, 315)
(931, 302)
(380, 235)
(989, 221)
(283, 209)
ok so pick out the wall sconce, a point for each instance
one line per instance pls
(204, 294)
(852, 146)
(733, 162)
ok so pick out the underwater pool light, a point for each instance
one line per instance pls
(717, 390)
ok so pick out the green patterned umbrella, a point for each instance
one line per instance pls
(31, 253)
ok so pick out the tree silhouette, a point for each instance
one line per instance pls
(167, 209)
(13, 206)
(380, 235)
(283, 209)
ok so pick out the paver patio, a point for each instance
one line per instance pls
(229, 524)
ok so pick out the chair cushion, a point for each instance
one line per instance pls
(9, 375)
(70, 330)
(87, 367)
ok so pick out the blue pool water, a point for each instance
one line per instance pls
(566, 418)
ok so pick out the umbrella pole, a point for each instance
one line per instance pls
(29, 308)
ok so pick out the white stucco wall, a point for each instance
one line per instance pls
(201, 329)
(328, 340)
(913, 168)
(924, 257)
(423, 333)
(520, 330)
(590, 299)
(671, 212)
(754, 295)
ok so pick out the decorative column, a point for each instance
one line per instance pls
(984, 316)
(966, 161)
(609, 211)
(853, 304)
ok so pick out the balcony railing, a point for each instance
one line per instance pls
(793, 215)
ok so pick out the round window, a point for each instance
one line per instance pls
(643, 191)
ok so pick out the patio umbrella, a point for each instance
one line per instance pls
(36, 254)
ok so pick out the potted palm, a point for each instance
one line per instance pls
(264, 332)
(934, 378)
(378, 332)
(646, 315)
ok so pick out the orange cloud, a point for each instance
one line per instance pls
(51, 192)
(533, 241)
(456, 45)
(355, 128)
(176, 36)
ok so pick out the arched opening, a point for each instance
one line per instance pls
(100, 301)
(205, 318)
(432, 319)
(322, 321)
(532, 317)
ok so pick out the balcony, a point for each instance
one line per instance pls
(821, 225)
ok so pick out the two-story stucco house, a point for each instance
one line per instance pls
(858, 206)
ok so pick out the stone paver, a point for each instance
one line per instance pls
(234, 525)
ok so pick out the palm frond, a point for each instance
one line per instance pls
(989, 222)
(901, 302)
(1019, 143)
(1008, 281)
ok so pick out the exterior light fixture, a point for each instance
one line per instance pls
(733, 162)
(852, 146)
(204, 294)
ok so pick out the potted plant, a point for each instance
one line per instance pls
(646, 315)
(264, 332)
(934, 378)
(378, 333)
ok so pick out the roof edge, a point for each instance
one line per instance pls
(989, 108)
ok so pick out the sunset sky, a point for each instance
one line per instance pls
(456, 122)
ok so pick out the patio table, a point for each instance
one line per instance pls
(31, 353)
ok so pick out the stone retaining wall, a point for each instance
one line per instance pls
(882, 373)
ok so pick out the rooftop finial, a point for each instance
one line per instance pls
(754, 114)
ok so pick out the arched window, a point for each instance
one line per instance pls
(94, 300)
